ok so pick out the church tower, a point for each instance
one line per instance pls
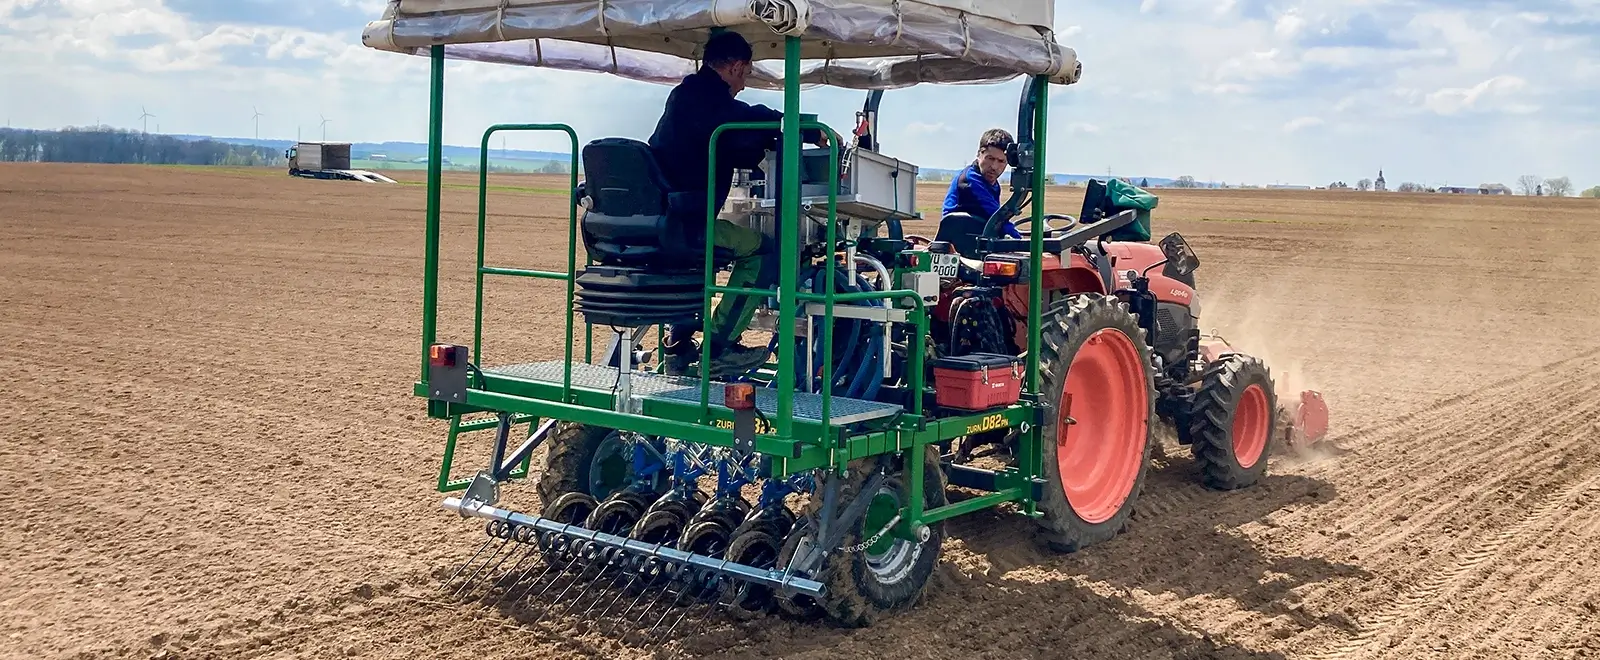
(1380, 185)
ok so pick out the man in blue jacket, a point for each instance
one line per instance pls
(976, 189)
(681, 144)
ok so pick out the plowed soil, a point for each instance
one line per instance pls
(211, 449)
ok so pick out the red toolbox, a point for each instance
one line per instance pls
(980, 381)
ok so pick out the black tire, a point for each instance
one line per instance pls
(857, 593)
(568, 508)
(756, 547)
(570, 462)
(801, 607)
(1069, 326)
(1213, 417)
(617, 514)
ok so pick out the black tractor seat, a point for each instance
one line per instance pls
(648, 243)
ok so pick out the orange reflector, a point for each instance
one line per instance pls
(739, 396)
(444, 355)
(999, 268)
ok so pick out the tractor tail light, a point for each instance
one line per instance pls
(999, 269)
(739, 396)
(445, 356)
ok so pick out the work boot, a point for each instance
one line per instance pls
(680, 358)
(737, 360)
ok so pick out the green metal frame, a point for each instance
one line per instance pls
(794, 446)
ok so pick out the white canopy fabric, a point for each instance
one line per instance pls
(862, 44)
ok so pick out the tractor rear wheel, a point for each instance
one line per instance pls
(592, 460)
(1230, 422)
(889, 574)
(1099, 380)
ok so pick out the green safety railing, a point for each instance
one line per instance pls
(572, 244)
(788, 241)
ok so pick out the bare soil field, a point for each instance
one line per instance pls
(211, 450)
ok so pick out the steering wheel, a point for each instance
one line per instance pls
(1024, 225)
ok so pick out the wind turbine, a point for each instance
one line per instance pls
(257, 119)
(325, 121)
(145, 117)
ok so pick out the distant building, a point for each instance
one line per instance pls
(1380, 185)
(1495, 189)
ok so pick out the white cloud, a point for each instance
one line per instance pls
(1453, 100)
(1301, 123)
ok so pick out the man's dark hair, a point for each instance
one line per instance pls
(727, 47)
(996, 138)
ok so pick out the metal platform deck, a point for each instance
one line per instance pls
(596, 378)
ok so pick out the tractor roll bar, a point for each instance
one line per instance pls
(1021, 158)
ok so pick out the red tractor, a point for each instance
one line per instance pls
(1120, 326)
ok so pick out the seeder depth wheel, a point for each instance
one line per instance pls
(889, 574)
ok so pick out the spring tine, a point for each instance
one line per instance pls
(516, 574)
(660, 594)
(622, 572)
(633, 576)
(467, 563)
(469, 581)
(549, 571)
(711, 608)
(677, 599)
(563, 595)
(597, 587)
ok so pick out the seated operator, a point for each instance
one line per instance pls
(695, 108)
(975, 190)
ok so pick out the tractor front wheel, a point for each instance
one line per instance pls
(1231, 421)
(1096, 439)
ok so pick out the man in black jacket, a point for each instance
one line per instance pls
(681, 144)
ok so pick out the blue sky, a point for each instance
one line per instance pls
(1441, 92)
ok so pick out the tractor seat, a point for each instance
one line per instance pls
(647, 241)
(961, 230)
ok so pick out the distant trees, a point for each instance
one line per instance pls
(1559, 187)
(1185, 181)
(1364, 185)
(1529, 184)
(1338, 185)
(553, 167)
(108, 145)
(1409, 187)
(1144, 183)
(1592, 192)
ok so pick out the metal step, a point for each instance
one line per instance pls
(646, 386)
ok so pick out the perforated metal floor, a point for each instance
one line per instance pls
(807, 407)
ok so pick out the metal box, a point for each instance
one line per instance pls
(872, 186)
(323, 155)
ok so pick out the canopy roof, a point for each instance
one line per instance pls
(862, 44)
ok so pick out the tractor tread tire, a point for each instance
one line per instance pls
(1209, 422)
(566, 464)
(1067, 323)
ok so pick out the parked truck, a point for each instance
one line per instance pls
(327, 160)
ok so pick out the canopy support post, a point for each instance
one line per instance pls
(430, 277)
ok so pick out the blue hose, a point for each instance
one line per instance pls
(856, 368)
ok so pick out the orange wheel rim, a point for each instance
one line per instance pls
(1251, 425)
(1098, 457)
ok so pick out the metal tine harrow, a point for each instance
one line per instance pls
(518, 565)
